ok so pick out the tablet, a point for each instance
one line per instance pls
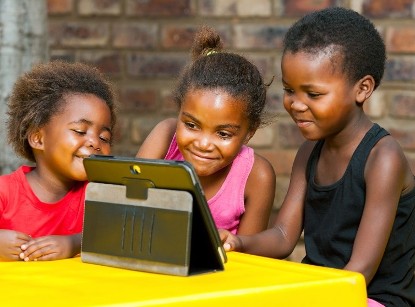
(149, 215)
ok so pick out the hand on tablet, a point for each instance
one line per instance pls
(230, 241)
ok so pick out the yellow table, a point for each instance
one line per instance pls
(247, 281)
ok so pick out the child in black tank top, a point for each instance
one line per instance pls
(351, 190)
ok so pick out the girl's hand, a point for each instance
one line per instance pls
(10, 242)
(230, 242)
(51, 248)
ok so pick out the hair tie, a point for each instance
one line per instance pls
(211, 51)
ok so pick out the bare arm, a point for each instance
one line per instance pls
(387, 174)
(10, 242)
(51, 248)
(259, 197)
(280, 240)
(157, 143)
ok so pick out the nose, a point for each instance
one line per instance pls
(94, 142)
(298, 106)
(204, 142)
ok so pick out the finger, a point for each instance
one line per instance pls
(35, 250)
(35, 243)
(228, 247)
(23, 237)
(40, 254)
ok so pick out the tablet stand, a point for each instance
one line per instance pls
(138, 227)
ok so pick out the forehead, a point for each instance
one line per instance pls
(214, 104)
(83, 105)
(322, 63)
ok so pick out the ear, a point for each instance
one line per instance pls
(365, 88)
(35, 139)
(249, 135)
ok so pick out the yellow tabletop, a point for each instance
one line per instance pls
(247, 281)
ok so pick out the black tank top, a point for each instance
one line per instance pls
(333, 215)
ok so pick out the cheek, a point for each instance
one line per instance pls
(286, 102)
(106, 149)
(183, 135)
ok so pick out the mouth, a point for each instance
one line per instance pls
(201, 157)
(301, 123)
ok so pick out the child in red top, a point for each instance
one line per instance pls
(59, 113)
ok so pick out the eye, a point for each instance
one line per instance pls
(105, 139)
(191, 125)
(80, 132)
(313, 95)
(224, 135)
(288, 91)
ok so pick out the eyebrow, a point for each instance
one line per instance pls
(89, 123)
(303, 86)
(225, 126)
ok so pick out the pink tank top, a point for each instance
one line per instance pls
(228, 204)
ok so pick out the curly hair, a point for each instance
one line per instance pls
(40, 93)
(212, 68)
(349, 34)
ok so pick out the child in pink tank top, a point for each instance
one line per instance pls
(221, 99)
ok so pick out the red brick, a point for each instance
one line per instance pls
(281, 188)
(301, 7)
(120, 131)
(109, 62)
(159, 8)
(274, 103)
(181, 36)
(99, 7)
(140, 128)
(78, 34)
(58, 7)
(264, 65)
(136, 35)
(155, 65)
(178, 36)
(375, 107)
(281, 160)
(63, 55)
(400, 39)
(235, 8)
(289, 135)
(386, 8)
(403, 105)
(138, 100)
(264, 137)
(254, 36)
(400, 69)
(406, 138)
(168, 105)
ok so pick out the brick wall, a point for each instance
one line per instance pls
(142, 45)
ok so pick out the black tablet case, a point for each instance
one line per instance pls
(148, 215)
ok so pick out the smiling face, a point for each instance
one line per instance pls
(317, 95)
(80, 129)
(211, 129)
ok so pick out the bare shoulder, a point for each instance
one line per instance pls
(156, 145)
(387, 151)
(167, 126)
(262, 169)
(388, 159)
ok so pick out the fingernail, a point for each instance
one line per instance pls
(21, 255)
